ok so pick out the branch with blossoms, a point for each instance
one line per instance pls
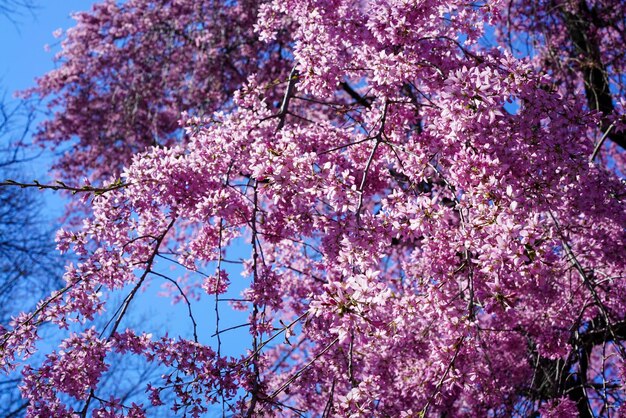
(392, 207)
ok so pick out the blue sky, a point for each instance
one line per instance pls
(23, 41)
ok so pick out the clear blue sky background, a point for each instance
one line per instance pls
(22, 46)
(23, 58)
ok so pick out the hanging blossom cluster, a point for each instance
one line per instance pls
(417, 245)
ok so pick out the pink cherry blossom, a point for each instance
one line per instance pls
(413, 245)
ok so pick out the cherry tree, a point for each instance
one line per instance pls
(434, 227)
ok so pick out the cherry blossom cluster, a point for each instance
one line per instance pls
(417, 246)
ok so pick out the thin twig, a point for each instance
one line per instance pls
(135, 289)
(255, 308)
(457, 347)
(182, 293)
(217, 310)
(218, 332)
(599, 144)
(303, 369)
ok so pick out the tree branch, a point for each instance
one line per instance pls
(595, 75)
